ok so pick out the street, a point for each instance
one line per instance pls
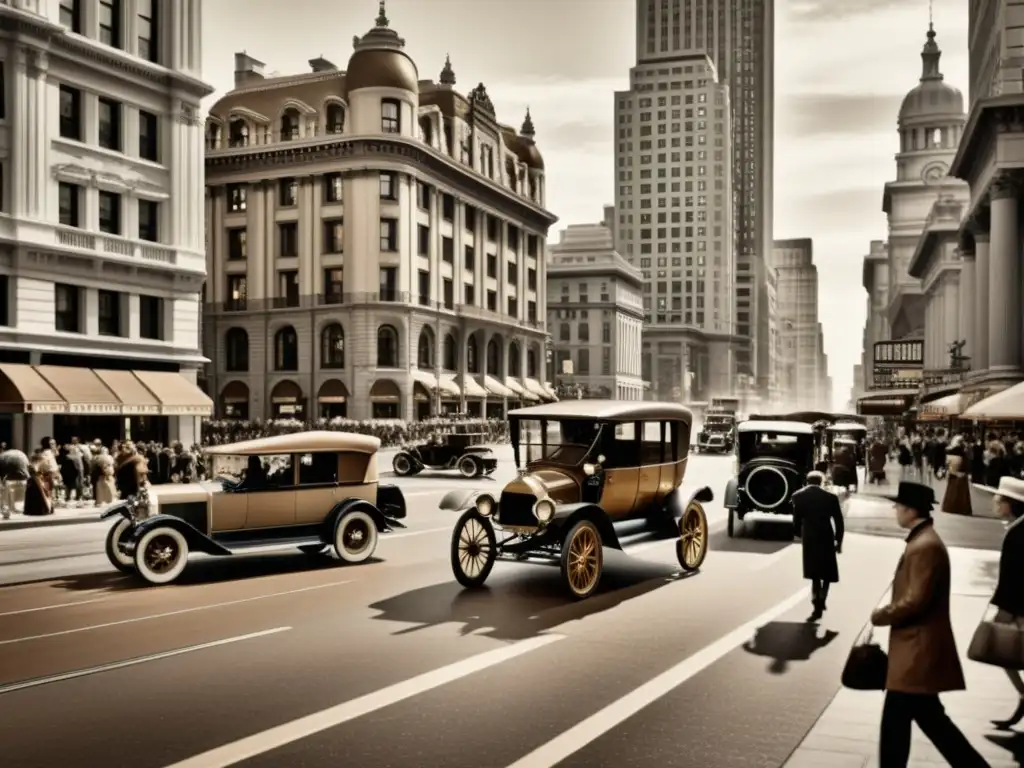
(289, 660)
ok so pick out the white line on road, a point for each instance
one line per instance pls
(616, 713)
(132, 662)
(52, 607)
(261, 743)
(91, 627)
(391, 536)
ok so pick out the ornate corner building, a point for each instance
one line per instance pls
(101, 220)
(376, 244)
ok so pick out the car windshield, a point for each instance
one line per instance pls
(718, 424)
(567, 442)
(795, 448)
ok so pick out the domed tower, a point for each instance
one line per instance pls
(382, 82)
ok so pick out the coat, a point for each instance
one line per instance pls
(1009, 594)
(879, 457)
(819, 516)
(104, 489)
(922, 651)
(38, 498)
(132, 473)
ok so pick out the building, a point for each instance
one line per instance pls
(377, 243)
(674, 220)
(776, 370)
(875, 280)
(797, 298)
(595, 313)
(101, 229)
(989, 158)
(823, 395)
(740, 39)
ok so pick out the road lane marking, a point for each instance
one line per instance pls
(179, 612)
(616, 713)
(51, 607)
(416, 533)
(304, 727)
(137, 660)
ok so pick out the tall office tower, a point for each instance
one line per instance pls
(739, 36)
(675, 222)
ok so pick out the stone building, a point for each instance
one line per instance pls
(377, 243)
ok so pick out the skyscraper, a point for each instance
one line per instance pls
(739, 37)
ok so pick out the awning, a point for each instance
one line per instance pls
(235, 392)
(944, 407)
(385, 391)
(534, 387)
(23, 390)
(515, 386)
(472, 388)
(550, 392)
(82, 389)
(445, 382)
(332, 391)
(496, 388)
(1007, 405)
(177, 395)
(135, 399)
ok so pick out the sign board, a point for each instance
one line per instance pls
(899, 354)
(567, 367)
(96, 409)
(45, 408)
(140, 410)
(896, 378)
(938, 378)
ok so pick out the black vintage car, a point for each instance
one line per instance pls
(717, 434)
(773, 461)
(464, 452)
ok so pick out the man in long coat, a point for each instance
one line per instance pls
(818, 517)
(923, 660)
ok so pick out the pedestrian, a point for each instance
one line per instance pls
(905, 458)
(957, 498)
(818, 517)
(923, 659)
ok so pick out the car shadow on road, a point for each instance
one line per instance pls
(1011, 742)
(532, 602)
(787, 641)
(754, 536)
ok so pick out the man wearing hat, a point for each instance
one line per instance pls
(818, 518)
(923, 660)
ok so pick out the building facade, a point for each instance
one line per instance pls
(101, 228)
(740, 39)
(378, 244)
(875, 280)
(797, 297)
(595, 313)
(674, 221)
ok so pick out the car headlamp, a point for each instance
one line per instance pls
(485, 505)
(544, 510)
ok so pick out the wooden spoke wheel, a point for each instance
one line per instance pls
(474, 549)
(692, 547)
(582, 559)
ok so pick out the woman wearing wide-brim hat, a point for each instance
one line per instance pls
(957, 499)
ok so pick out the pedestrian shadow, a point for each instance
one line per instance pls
(787, 641)
(1011, 742)
(755, 535)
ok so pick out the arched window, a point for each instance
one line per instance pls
(286, 350)
(236, 350)
(427, 130)
(937, 137)
(332, 346)
(493, 358)
(450, 357)
(531, 363)
(472, 358)
(510, 170)
(390, 116)
(515, 362)
(238, 133)
(387, 347)
(335, 118)
(425, 352)
(290, 124)
(213, 135)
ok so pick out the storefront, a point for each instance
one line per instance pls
(287, 401)
(332, 399)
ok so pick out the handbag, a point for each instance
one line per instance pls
(998, 643)
(866, 666)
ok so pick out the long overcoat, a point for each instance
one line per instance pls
(819, 516)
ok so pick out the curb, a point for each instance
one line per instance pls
(47, 521)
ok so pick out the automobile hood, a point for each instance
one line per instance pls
(177, 493)
(560, 486)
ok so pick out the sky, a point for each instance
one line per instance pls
(842, 68)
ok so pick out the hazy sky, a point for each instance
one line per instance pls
(842, 68)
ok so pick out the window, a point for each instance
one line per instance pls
(387, 347)
(236, 346)
(388, 187)
(5, 304)
(149, 221)
(237, 197)
(286, 350)
(332, 346)
(449, 358)
(110, 213)
(424, 287)
(149, 137)
(335, 118)
(389, 283)
(422, 239)
(389, 234)
(290, 125)
(332, 188)
(425, 350)
(448, 250)
(71, 15)
(287, 288)
(238, 133)
(318, 469)
(151, 318)
(109, 313)
(110, 23)
(148, 30)
(334, 285)
(448, 290)
(390, 116)
(288, 192)
(67, 308)
(472, 361)
(70, 113)
(3, 91)
(236, 244)
(334, 236)
(70, 199)
(237, 293)
(288, 240)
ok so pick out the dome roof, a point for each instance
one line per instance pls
(380, 61)
(932, 97)
(523, 145)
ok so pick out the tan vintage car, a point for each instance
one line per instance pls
(585, 465)
(310, 490)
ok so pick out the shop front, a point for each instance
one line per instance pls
(385, 400)
(234, 401)
(332, 399)
(287, 401)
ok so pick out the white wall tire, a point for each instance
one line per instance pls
(355, 537)
(124, 563)
(402, 465)
(469, 467)
(161, 555)
(785, 488)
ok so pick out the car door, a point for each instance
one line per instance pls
(621, 471)
(652, 459)
(272, 504)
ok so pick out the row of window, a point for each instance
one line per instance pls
(111, 122)
(580, 359)
(112, 312)
(583, 332)
(111, 212)
(111, 24)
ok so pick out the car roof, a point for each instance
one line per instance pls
(322, 441)
(785, 427)
(847, 426)
(606, 410)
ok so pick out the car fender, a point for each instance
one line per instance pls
(342, 508)
(197, 540)
(679, 500)
(391, 501)
(124, 508)
(732, 493)
(567, 515)
(461, 499)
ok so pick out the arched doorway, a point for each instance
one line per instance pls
(385, 400)
(234, 401)
(422, 400)
(332, 399)
(287, 401)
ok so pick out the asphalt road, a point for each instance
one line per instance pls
(288, 660)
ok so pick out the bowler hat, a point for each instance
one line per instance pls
(916, 496)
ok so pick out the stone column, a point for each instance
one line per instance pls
(967, 304)
(1004, 327)
(979, 360)
(951, 319)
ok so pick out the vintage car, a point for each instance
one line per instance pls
(585, 465)
(463, 452)
(716, 436)
(773, 460)
(310, 490)
(849, 433)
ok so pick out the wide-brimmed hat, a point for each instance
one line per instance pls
(1009, 488)
(915, 495)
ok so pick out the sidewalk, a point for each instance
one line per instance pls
(846, 734)
(981, 501)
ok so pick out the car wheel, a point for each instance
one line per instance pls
(118, 559)
(469, 467)
(355, 538)
(692, 547)
(474, 549)
(582, 559)
(402, 465)
(731, 525)
(161, 555)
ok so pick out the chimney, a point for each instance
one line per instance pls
(247, 69)
(320, 64)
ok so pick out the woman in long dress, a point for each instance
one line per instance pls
(957, 499)
(105, 489)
